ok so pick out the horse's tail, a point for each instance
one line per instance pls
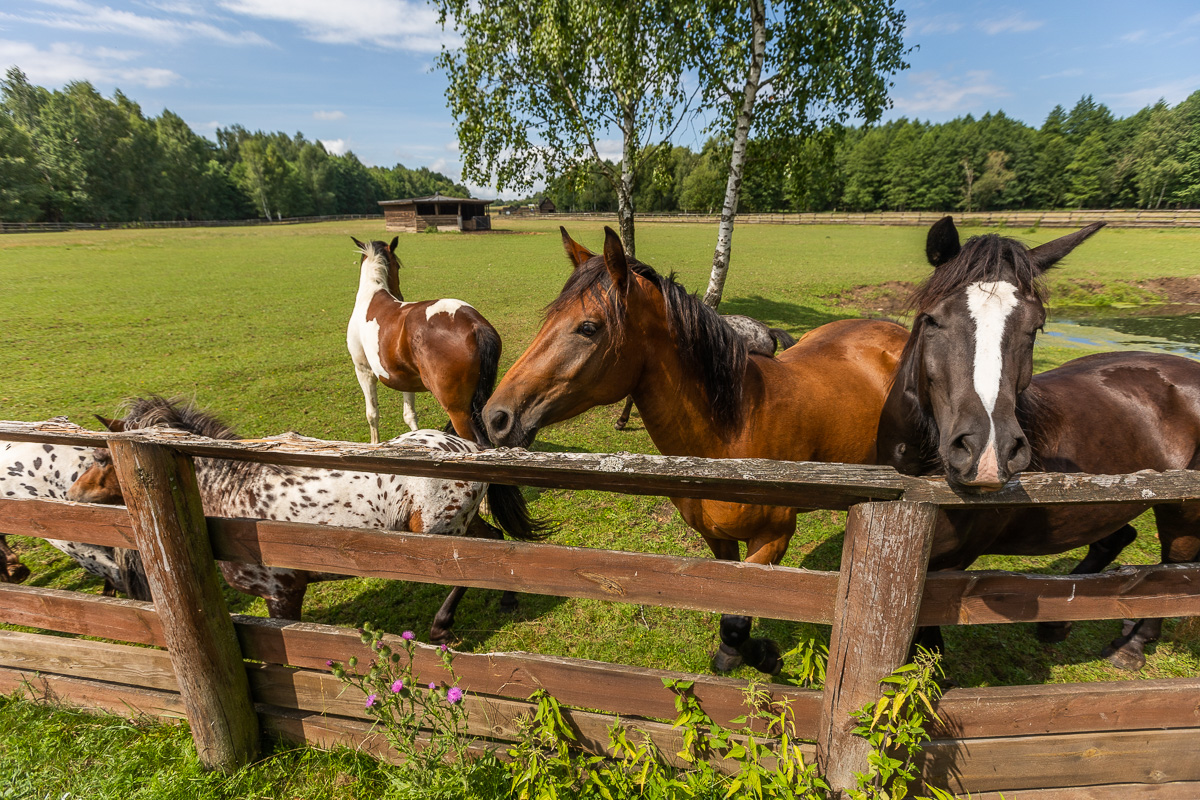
(783, 339)
(132, 574)
(508, 508)
(488, 343)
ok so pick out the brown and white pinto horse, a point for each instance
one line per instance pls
(967, 405)
(441, 346)
(619, 328)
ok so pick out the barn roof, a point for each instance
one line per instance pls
(433, 198)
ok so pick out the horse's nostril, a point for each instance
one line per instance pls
(499, 421)
(960, 443)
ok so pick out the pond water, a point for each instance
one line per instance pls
(1174, 329)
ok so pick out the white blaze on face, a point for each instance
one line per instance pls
(445, 306)
(990, 305)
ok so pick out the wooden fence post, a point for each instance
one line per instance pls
(168, 525)
(884, 560)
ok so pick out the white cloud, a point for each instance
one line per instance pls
(205, 127)
(1074, 72)
(329, 115)
(933, 93)
(81, 16)
(1013, 23)
(335, 147)
(394, 24)
(1173, 92)
(942, 23)
(610, 149)
(1133, 37)
(63, 62)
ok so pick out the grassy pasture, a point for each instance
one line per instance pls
(250, 321)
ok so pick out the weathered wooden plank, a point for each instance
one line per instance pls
(981, 597)
(169, 527)
(1068, 708)
(760, 481)
(701, 584)
(80, 658)
(1058, 488)
(884, 560)
(45, 518)
(614, 688)
(92, 695)
(1077, 759)
(1179, 790)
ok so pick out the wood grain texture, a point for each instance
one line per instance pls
(79, 658)
(79, 613)
(1069, 708)
(1185, 790)
(110, 698)
(44, 518)
(884, 559)
(1077, 759)
(169, 528)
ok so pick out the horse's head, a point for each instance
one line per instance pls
(582, 356)
(970, 354)
(98, 483)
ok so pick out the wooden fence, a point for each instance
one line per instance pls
(60, 227)
(233, 676)
(1118, 218)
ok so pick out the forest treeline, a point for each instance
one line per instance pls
(75, 156)
(1082, 158)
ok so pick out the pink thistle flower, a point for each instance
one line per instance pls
(329, 663)
(432, 686)
(372, 699)
(397, 687)
(454, 695)
(445, 648)
(408, 636)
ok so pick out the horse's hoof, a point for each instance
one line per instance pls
(764, 655)
(726, 659)
(619, 425)
(1125, 657)
(18, 574)
(1051, 632)
(440, 635)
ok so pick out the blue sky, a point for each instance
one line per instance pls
(356, 73)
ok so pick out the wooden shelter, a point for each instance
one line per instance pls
(415, 214)
(547, 206)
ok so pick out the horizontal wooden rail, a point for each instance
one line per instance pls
(701, 584)
(759, 481)
(1175, 790)
(614, 688)
(303, 690)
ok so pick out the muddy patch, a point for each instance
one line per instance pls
(889, 298)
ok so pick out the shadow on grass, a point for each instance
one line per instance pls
(781, 312)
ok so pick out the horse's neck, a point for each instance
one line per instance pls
(374, 276)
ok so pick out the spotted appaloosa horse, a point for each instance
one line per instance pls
(33, 471)
(441, 346)
(319, 496)
(967, 405)
(619, 328)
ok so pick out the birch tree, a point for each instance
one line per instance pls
(779, 73)
(536, 86)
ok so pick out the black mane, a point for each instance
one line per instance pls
(990, 257)
(174, 412)
(708, 346)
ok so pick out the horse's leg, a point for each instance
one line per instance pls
(443, 621)
(1099, 555)
(623, 420)
(370, 389)
(1179, 533)
(761, 653)
(410, 410)
(735, 629)
(12, 570)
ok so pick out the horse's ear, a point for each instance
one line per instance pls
(941, 245)
(1046, 255)
(360, 245)
(395, 241)
(577, 254)
(114, 425)
(614, 259)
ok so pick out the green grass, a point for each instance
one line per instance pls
(251, 321)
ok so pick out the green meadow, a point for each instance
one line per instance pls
(250, 322)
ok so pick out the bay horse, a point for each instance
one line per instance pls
(318, 496)
(444, 346)
(966, 404)
(619, 328)
(30, 470)
(760, 338)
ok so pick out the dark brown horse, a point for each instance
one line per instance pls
(967, 405)
(619, 328)
(441, 346)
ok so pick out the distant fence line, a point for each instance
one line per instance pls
(59, 227)
(1181, 218)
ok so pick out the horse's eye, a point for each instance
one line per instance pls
(931, 323)
(587, 329)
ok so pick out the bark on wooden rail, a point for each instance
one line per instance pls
(169, 528)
